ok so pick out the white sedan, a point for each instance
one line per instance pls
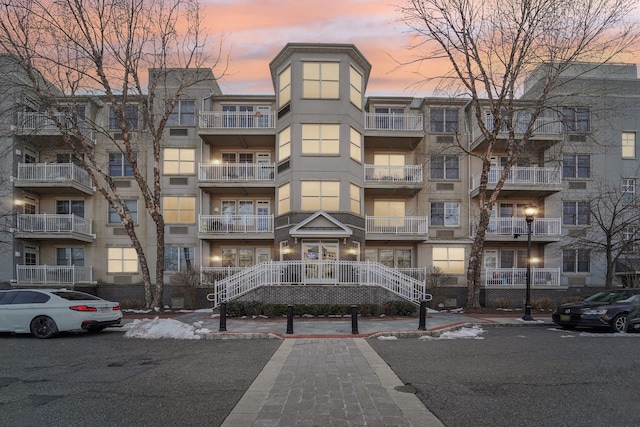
(45, 312)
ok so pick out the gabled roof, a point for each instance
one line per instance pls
(320, 224)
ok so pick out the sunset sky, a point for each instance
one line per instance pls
(256, 30)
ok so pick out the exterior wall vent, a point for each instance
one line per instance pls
(578, 138)
(122, 184)
(444, 139)
(178, 230)
(284, 110)
(284, 166)
(444, 233)
(444, 186)
(179, 181)
(577, 185)
(122, 280)
(179, 132)
(119, 231)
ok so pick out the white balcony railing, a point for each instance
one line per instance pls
(523, 175)
(393, 122)
(541, 126)
(413, 225)
(53, 274)
(53, 223)
(510, 226)
(47, 172)
(34, 121)
(236, 172)
(224, 224)
(518, 276)
(401, 174)
(237, 120)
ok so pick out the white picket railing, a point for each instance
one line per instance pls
(395, 122)
(34, 121)
(222, 224)
(413, 225)
(53, 172)
(53, 223)
(518, 276)
(518, 226)
(274, 273)
(237, 119)
(541, 126)
(522, 175)
(236, 172)
(408, 174)
(53, 274)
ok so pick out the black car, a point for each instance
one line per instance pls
(609, 309)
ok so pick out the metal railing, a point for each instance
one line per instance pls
(402, 174)
(518, 226)
(518, 276)
(237, 119)
(53, 274)
(541, 126)
(53, 172)
(274, 273)
(236, 172)
(41, 121)
(53, 223)
(525, 175)
(222, 224)
(391, 121)
(416, 225)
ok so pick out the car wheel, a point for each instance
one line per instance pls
(568, 327)
(43, 327)
(619, 323)
(95, 330)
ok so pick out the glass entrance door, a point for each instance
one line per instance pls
(319, 257)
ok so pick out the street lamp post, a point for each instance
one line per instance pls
(529, 212)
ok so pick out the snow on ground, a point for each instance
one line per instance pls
(164, 328)
(473, 332)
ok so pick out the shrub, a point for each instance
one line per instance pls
(132, 304)
(543, 304)
(504, 303)
(574, 298)
(399, 308)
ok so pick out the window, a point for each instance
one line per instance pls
(355, 94)
(628, 190)
(576, 166)
(318, 195)
(119, 164)
(576, 213)
(355, 199)
(122, 260)
(443, 120)
(394, 258)
(132, 205)
(70, 256)
(630, 238)
(449, 260)
(179, 161)
(67, 207)
(320, 139)
(284, 199)
(284, 85)
(356, 145)
(321, 80)
(628, 145)
(130, 117)
(179, 209)
(179, 259)
(183, 114)
(576, 260)
(445, 167)
(576, 119)
(284, 144)
(445, 214)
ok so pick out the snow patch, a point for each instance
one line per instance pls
(164, 328)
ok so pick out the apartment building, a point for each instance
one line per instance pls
(323, 185)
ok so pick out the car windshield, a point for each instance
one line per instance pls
(608, 297)
(75, 296)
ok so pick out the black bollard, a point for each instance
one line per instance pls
(223, 317)
(354, 320)
(289, 319)
(422, 325)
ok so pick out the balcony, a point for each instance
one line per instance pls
(54, 226)
(53, 178)
(399, 179)
(219, 176)
(388, 130)
(509, 228)
(238, 128)
(235, 227)
(396, 227)
(546, 130)
(33, 123)
(536, 181)
(518, 277)
(53, 275)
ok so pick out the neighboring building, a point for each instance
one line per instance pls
(315, 174)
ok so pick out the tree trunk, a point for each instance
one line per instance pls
(159, 288)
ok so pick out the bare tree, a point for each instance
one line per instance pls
(492, 48)
(615, 226)
(73, 48)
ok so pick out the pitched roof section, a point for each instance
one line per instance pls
(320, 224)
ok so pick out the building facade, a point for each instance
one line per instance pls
(320, 173)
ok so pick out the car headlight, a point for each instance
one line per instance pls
(595, 311)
